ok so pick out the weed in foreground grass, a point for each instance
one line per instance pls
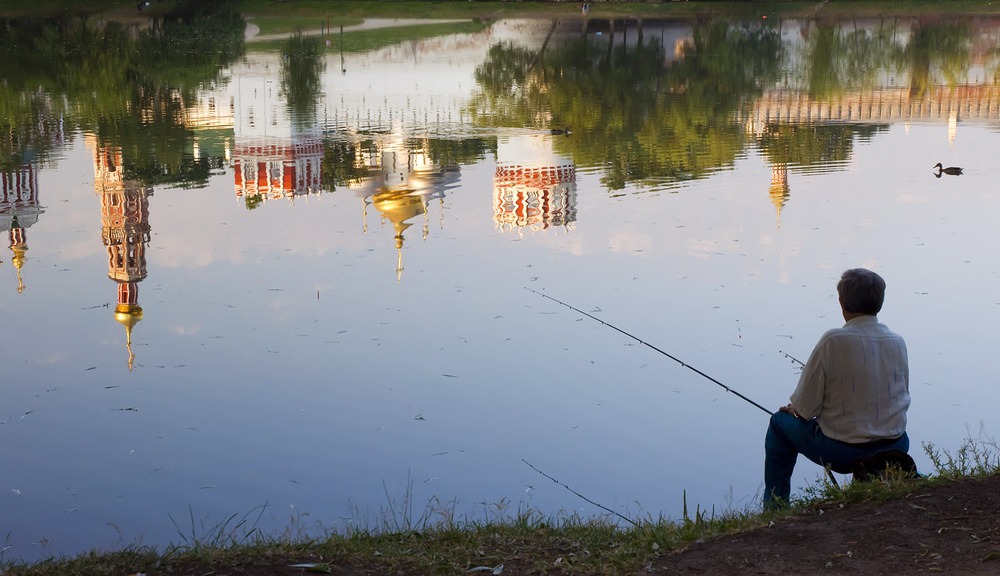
(973, 458)
(234, 530)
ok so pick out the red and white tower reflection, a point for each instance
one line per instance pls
(273, 168)
(125, 231)
(533, 187)
(19, 209)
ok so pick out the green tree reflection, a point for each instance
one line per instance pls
(343, 163)
(848, 56)
(456, 152)
(639, 119)
(843, 58)
(813, 144)
(301, 68)
(129, 85)
(942, 44)
(253, 201)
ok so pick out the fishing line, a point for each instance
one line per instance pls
(601, 506)
(648, 345)
(675, 359)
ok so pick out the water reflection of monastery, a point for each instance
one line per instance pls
(273, 168)
(124, 231)
(272, 157)
(918, 95)
(19, 209)
(533, 187)
(383, 102)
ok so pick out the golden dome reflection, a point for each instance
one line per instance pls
(128, 315)
(19, 247)
(399, 206)
(778, 190)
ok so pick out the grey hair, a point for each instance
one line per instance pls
(861, 291)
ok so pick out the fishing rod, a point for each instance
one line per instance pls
(793, 358)
(647, 344)
(675, 359)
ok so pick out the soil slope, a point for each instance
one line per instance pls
(951, 528)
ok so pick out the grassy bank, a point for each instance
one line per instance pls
(532, 542)
(289, 15)
(528, 543)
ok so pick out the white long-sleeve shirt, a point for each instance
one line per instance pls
(856, 383)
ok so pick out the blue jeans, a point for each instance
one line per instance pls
(789, 436)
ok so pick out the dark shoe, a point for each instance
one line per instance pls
(775, 504)
(881, 464)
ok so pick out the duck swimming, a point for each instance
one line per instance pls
(951, 170)
(560, 132)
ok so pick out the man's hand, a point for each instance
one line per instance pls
(790, 409)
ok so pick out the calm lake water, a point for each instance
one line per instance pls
(289, 285)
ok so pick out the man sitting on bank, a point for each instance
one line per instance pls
(852, 396)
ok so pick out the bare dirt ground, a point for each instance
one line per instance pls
(951, 528)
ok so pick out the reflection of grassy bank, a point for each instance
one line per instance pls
(290, 24)
(364, 40)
